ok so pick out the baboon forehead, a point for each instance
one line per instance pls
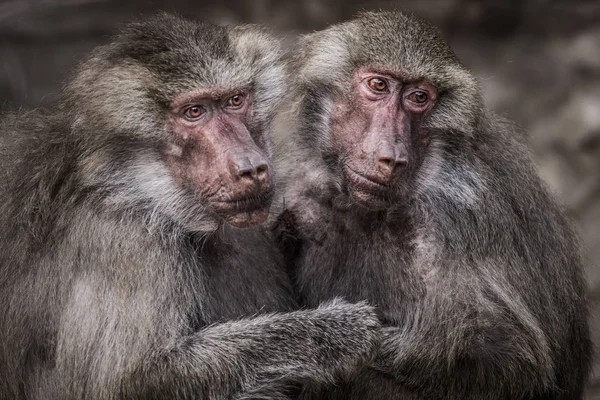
(184, 54)
(152, 62)
(402, 42)
(149, 40)
(389, 41)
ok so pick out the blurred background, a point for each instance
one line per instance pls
(538, 60)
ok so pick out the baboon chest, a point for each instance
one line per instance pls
(358, 259)
(243, 276)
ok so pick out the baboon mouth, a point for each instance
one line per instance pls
(362, 182)
(368, 192)
(243, 203)
(369, 181)
(243, 212)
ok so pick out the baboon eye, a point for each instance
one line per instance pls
(418, 97)
(193, 112)
(236, 101)
(378, 84)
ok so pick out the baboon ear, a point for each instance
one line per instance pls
(260, 52)
(254, 43)
(326, 55)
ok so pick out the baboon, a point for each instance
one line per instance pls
(123, 269)
(403, 190)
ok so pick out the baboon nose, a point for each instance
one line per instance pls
(249, 169)
(388, 163)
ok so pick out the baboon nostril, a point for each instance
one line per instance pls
(391, 163)
(388, 162)
(401, 161)
(249, 167)
(262, 170)
(385, 164)
(245, 174)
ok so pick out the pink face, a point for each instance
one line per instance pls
(376, 131)
(212, 153)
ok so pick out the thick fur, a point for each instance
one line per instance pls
(115, 282)
(476, 272)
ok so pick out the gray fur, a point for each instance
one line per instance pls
(475, 272)
(116, 282)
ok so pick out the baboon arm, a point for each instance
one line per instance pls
(471, 333)
(107, 349)
(237, 356)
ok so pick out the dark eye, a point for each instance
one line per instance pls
(193, 112)
(236, 101)
(378, 84)
(418, 97)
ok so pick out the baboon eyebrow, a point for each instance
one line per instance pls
(213, 93)
(399, 74)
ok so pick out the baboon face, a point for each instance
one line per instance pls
(378, 136)
(376, 94)
(212, 153)
(180, 124)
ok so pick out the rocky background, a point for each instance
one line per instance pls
(538, 60)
